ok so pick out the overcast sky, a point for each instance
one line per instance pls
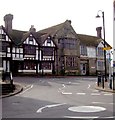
(46, 13)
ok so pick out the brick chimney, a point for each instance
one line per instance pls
(32, 29)
(8, 22)
(98, 29)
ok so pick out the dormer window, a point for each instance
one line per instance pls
(49, 40)
(30, 38)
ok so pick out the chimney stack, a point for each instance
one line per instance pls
(8, 22)
(98, 29)
(32, 29)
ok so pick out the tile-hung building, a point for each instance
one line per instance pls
(55, 50)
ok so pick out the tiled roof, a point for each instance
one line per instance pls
(56, 28)
(89, 40)
(17, 36)
(52, 30)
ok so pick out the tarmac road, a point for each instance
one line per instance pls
(70, 97)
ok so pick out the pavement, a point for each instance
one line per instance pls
(19, 88)
(106, 88)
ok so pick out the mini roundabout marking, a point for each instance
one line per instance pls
(87, 109)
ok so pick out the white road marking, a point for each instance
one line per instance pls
(95, 93)
(49, 106)
(80, 93)
(63, 85)
(65, 93)
(73, 83)
(27, 89)
(102, 103)
(108, 117)
(59, 88)
(82, 117)
(86, 109)
(89, 86)
(108, 94)
(95, 90)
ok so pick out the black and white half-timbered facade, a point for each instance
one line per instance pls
(5, 50)
(55, 50)
(26, 52)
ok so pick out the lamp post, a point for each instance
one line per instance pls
(98, 16)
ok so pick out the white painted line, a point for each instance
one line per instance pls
(80, 93)
(82, 117)
(102, 103)
(63, 85)
(108, 117)
(108, 94)
(89, 86)
(27, 89)
(98, 103)
(49, 106)
(95, 90)
(95, 93)
(65, 93)
(74, 83)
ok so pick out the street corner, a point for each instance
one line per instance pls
(18, 88)
(105, 89)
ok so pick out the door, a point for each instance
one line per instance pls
(83, 68)
(15, 67)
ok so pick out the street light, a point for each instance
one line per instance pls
(98, 16)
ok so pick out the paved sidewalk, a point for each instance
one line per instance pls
(18, 89)
(106, 87)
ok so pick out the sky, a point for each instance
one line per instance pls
(46, 13)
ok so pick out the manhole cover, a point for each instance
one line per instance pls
(87, 109)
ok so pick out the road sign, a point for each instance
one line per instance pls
(107, 48)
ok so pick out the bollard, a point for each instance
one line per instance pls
(11, 82)
(110, 84)
(103, 81)
(99, 80)
(113, 82)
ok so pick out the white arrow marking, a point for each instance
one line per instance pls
(63, 85)
(27, 89)
(48, 106)
(89, 86)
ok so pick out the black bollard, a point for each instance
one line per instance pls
(110, 84)
(103, 81)
(99, 80)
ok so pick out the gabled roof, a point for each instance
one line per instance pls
(54, 31)
(89, 40)
(17, 36)
(45, 36)
(3, 28)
